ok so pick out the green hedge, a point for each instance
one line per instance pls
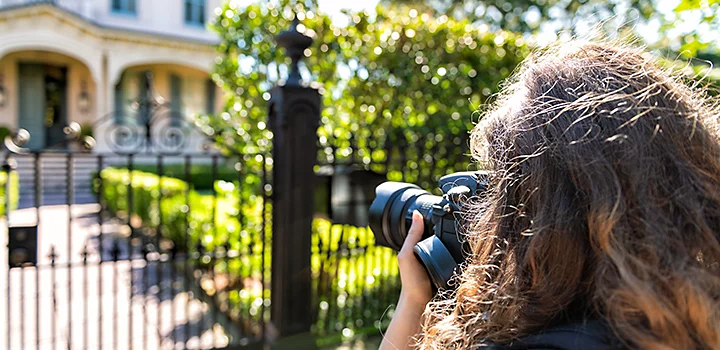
(201, 174)
(168, 204)
(146, 190)
(4, 132)
(191, 221)
(14, 189)
(352, 277)
(355, 281)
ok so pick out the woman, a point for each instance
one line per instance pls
(601, 224)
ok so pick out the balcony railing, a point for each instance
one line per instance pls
(80, 7)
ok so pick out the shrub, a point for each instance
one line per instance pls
(4, 132)
(14, 191)
(201, 174)
(354, 280)
(146, 192)
(188, 219)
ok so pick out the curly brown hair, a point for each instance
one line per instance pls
(604, 203)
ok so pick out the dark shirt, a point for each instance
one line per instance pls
(588, 335)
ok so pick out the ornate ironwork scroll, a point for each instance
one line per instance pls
(146, 124)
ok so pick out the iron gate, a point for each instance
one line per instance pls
(141, 245)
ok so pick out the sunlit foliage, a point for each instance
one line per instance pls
(398, 74)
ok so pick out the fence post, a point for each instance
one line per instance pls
(294, 113)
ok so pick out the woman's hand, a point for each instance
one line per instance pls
(416, 287)
(416, 293)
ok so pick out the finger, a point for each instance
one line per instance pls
(415, 233)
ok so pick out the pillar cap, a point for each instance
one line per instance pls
(294, 42)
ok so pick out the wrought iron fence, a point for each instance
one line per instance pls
(356, 282)
(103, 255)
(146, 245)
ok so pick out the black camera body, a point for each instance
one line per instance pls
(441, 248)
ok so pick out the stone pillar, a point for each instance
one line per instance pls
(294, 114)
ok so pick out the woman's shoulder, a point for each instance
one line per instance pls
(586, 335)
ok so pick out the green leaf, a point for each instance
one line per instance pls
(686, 5)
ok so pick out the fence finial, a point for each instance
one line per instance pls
(294, 43)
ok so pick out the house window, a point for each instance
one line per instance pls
(195, 12)
(124, 6)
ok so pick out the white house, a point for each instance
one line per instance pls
(64, 61)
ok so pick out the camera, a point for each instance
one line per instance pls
(441, 248)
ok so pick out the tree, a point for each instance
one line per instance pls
(700, 19)
(687, 28)
(527, 15)
(400, 76)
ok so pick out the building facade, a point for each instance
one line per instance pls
(86, 61)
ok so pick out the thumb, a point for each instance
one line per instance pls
(416, 231)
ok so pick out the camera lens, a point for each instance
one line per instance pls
(390, 213)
